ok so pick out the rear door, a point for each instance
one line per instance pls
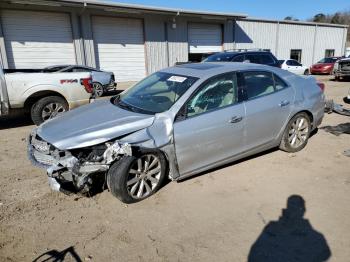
(212, 129)
(268, 106)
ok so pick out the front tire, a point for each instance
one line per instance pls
(47, 108)
(134, 178)
(296, 134)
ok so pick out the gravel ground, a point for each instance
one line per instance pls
(228, 214)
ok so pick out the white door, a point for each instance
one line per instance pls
(119, 47)
(294, 67)
(37, 39)
(204, 38)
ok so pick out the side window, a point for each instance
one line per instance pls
(258, 84)
(266, 60)
(279, 83)
(239, 58)
(80, 69)
(253, 58)
(218, 92)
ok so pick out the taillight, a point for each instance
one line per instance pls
(321, 85)
(87, 83)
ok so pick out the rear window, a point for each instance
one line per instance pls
(221, 57)
(239, 58)
(266, 60)
(255, 59)
(328, 60)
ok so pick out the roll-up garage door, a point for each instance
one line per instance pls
(119, 47)
(204, 38)
(37, 39)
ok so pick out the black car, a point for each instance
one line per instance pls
(257, 57)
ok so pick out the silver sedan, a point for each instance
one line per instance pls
(177, 122)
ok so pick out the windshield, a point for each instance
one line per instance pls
(154, 94)
(221, 57)
(328, 60)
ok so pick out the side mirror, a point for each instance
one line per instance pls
(182, 114)
(246, 61)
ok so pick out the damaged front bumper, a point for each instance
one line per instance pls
(74, 173)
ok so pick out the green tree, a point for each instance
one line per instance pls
(320, 18)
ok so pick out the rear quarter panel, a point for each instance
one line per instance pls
(309, 97)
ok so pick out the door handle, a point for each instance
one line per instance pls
(284, 103)
(236, 119)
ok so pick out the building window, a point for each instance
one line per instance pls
(295, 54)
(329, 53)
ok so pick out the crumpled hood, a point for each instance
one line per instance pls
(91, 125)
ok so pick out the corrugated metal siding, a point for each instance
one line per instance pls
(328, 38)
(156, 46)
(37, 39)
(177, 43)
(255, 34)
(293, 36)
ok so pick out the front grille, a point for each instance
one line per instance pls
(39, 151)
(44, 159)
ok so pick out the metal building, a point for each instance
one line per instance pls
(133, 40)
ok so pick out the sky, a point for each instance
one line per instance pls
(270, 9)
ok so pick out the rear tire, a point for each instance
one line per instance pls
(47, 108)
(296, 134)
(98, 89)
(307, 72)
(129, 178)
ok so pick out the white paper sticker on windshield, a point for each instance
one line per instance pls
(179, 79)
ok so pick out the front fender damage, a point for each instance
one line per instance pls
(160, 135)
(79, 167)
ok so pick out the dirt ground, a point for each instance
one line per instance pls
(217, 216)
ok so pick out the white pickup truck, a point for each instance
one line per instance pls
(43, 94)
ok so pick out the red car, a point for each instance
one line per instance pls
(324, 66)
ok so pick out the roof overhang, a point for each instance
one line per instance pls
(110, 6)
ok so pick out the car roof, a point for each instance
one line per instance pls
(244, 52)
(208, 69)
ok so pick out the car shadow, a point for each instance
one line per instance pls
(337, 130)
(291, 238)
(68, 254)
(9, 122)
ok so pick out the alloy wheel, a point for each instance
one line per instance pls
(51, 110)
(298, 132)
(98, 89)
(144, 176)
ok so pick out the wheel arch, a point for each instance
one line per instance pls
(33, 98)
(309, 114)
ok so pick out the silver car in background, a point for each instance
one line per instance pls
(102, 81)
(177, 122)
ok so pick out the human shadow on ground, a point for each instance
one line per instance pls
(68, 254)
(290, 239)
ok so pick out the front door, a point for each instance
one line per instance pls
(212, 129)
